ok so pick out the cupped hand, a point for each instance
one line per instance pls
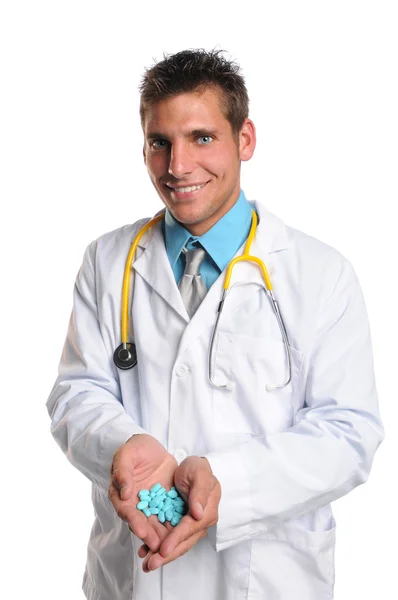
(140, 463)
(195, 481)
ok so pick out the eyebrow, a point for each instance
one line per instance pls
(194, 133)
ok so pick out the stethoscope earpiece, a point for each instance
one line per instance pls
(125, 356)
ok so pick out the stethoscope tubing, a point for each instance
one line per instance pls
(275, 307)
(125, 355)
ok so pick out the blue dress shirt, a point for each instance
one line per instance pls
(221, 242)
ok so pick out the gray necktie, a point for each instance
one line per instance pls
(191, 286)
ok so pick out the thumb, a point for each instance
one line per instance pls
(125, 491)
(122, 477)
(199, 494)
(123, 483)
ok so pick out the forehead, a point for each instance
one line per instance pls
(190, 110)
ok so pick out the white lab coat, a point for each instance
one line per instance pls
(281, 457)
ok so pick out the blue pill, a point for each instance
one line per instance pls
(147, 512)
(160, 491)
(143, 493)
(169, 514)
(154, 511)
(179, 509)
(154, 502)
(143, 504)
(161, 516)
(174, 521)
(155, 488)
(172, 493)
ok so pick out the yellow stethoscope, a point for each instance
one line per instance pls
(125, 355)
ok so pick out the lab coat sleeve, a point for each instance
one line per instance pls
(330, 448)
(88, 419)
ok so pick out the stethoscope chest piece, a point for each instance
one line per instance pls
(125, 356)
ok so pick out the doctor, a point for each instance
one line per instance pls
(258, 465)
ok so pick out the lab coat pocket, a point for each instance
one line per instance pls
(290, 562)
(248, 365)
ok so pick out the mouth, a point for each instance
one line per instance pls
(187, 191)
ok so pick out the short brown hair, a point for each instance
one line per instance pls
(197, 70)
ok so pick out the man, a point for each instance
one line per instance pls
(261, 438)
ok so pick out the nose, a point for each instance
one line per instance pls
(181, 162)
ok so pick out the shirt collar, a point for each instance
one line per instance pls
(221, 242)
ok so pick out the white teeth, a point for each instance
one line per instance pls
(192, 188)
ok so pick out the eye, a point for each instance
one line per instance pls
(207, 139)
(158, 144)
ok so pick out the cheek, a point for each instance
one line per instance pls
(157, 164)
(219, 162)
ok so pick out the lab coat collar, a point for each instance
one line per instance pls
(153, 265)
(272, 229)
(271, 233)
(220, 241)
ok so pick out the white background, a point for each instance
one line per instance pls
(322, 78)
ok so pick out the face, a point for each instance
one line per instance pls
(193, 159)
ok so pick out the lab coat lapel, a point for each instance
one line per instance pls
(270, 237)
(153, 265)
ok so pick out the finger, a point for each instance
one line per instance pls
(122, 472)
(185, 529)
(162, 532)
(123, 509)
(201, 488)
(151, 531)
(143, 551)
(136, 520)
(145, 562)
(156, 560)
(157, 532)
(162, 529)
(138, 524)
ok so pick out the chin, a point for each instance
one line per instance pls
(187, 217)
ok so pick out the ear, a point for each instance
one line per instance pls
(247, 140)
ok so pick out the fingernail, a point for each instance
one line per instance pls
(200, 509)
(122, 491)
(154, 564)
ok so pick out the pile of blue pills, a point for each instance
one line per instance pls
(168, 506)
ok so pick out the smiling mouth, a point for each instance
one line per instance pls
(186, 189)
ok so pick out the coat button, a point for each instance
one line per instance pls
(181, 370)
(180, 455)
